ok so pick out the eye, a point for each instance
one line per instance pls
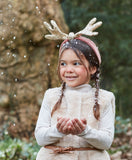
(77, 63)
(63, 64)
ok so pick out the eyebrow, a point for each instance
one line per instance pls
(71, 61)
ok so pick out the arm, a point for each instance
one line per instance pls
(103, 136)
(45, 133)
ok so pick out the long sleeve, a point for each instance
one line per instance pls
(45, 133)
(103, 136)
(100, 138)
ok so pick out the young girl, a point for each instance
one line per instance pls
(76, 121)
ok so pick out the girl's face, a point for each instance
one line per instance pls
(72, 71)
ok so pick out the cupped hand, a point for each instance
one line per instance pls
(62, 125)
(74, 126)
(78, 126)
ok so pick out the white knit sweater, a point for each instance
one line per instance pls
(77, 102)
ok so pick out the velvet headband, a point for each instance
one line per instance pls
(87, 41)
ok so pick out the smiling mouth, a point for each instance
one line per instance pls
(70, 78)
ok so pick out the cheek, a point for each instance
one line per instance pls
(82, 70)
(61, 72)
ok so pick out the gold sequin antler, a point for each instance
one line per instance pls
(91, 26)
(57, 34)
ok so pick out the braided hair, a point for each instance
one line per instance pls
(80, 47)
(58, 103)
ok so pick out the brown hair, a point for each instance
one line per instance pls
(80, 47)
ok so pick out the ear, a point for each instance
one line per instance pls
(93, 70)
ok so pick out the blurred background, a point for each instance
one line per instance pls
(28, 66)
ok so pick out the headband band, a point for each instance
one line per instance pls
(87, 41)
(57, 34)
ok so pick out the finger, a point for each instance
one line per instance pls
(79, 123)
(62, 123)
(58, 118)
(67, 128)
(68, 123)
(73, 129)
(76, 125)
(61, 119)
(59, 123)
(84, 121)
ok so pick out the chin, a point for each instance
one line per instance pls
(72, 85)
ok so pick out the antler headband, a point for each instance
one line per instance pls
(57, 34)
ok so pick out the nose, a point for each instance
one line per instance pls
(69, 69)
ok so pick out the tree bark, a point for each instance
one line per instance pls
(27, 61)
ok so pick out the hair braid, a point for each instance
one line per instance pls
(96, 105)
(58, 103)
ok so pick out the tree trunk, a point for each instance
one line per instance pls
(27, 61)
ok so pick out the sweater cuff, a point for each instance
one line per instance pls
(59, 134)
(84, 132)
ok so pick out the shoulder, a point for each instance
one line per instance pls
(53, 93)
(107, 99)
(106, 94)
(55, 90)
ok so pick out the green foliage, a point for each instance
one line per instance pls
(114, 41)
(16, 149)
(122, 125)
(122, 140)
